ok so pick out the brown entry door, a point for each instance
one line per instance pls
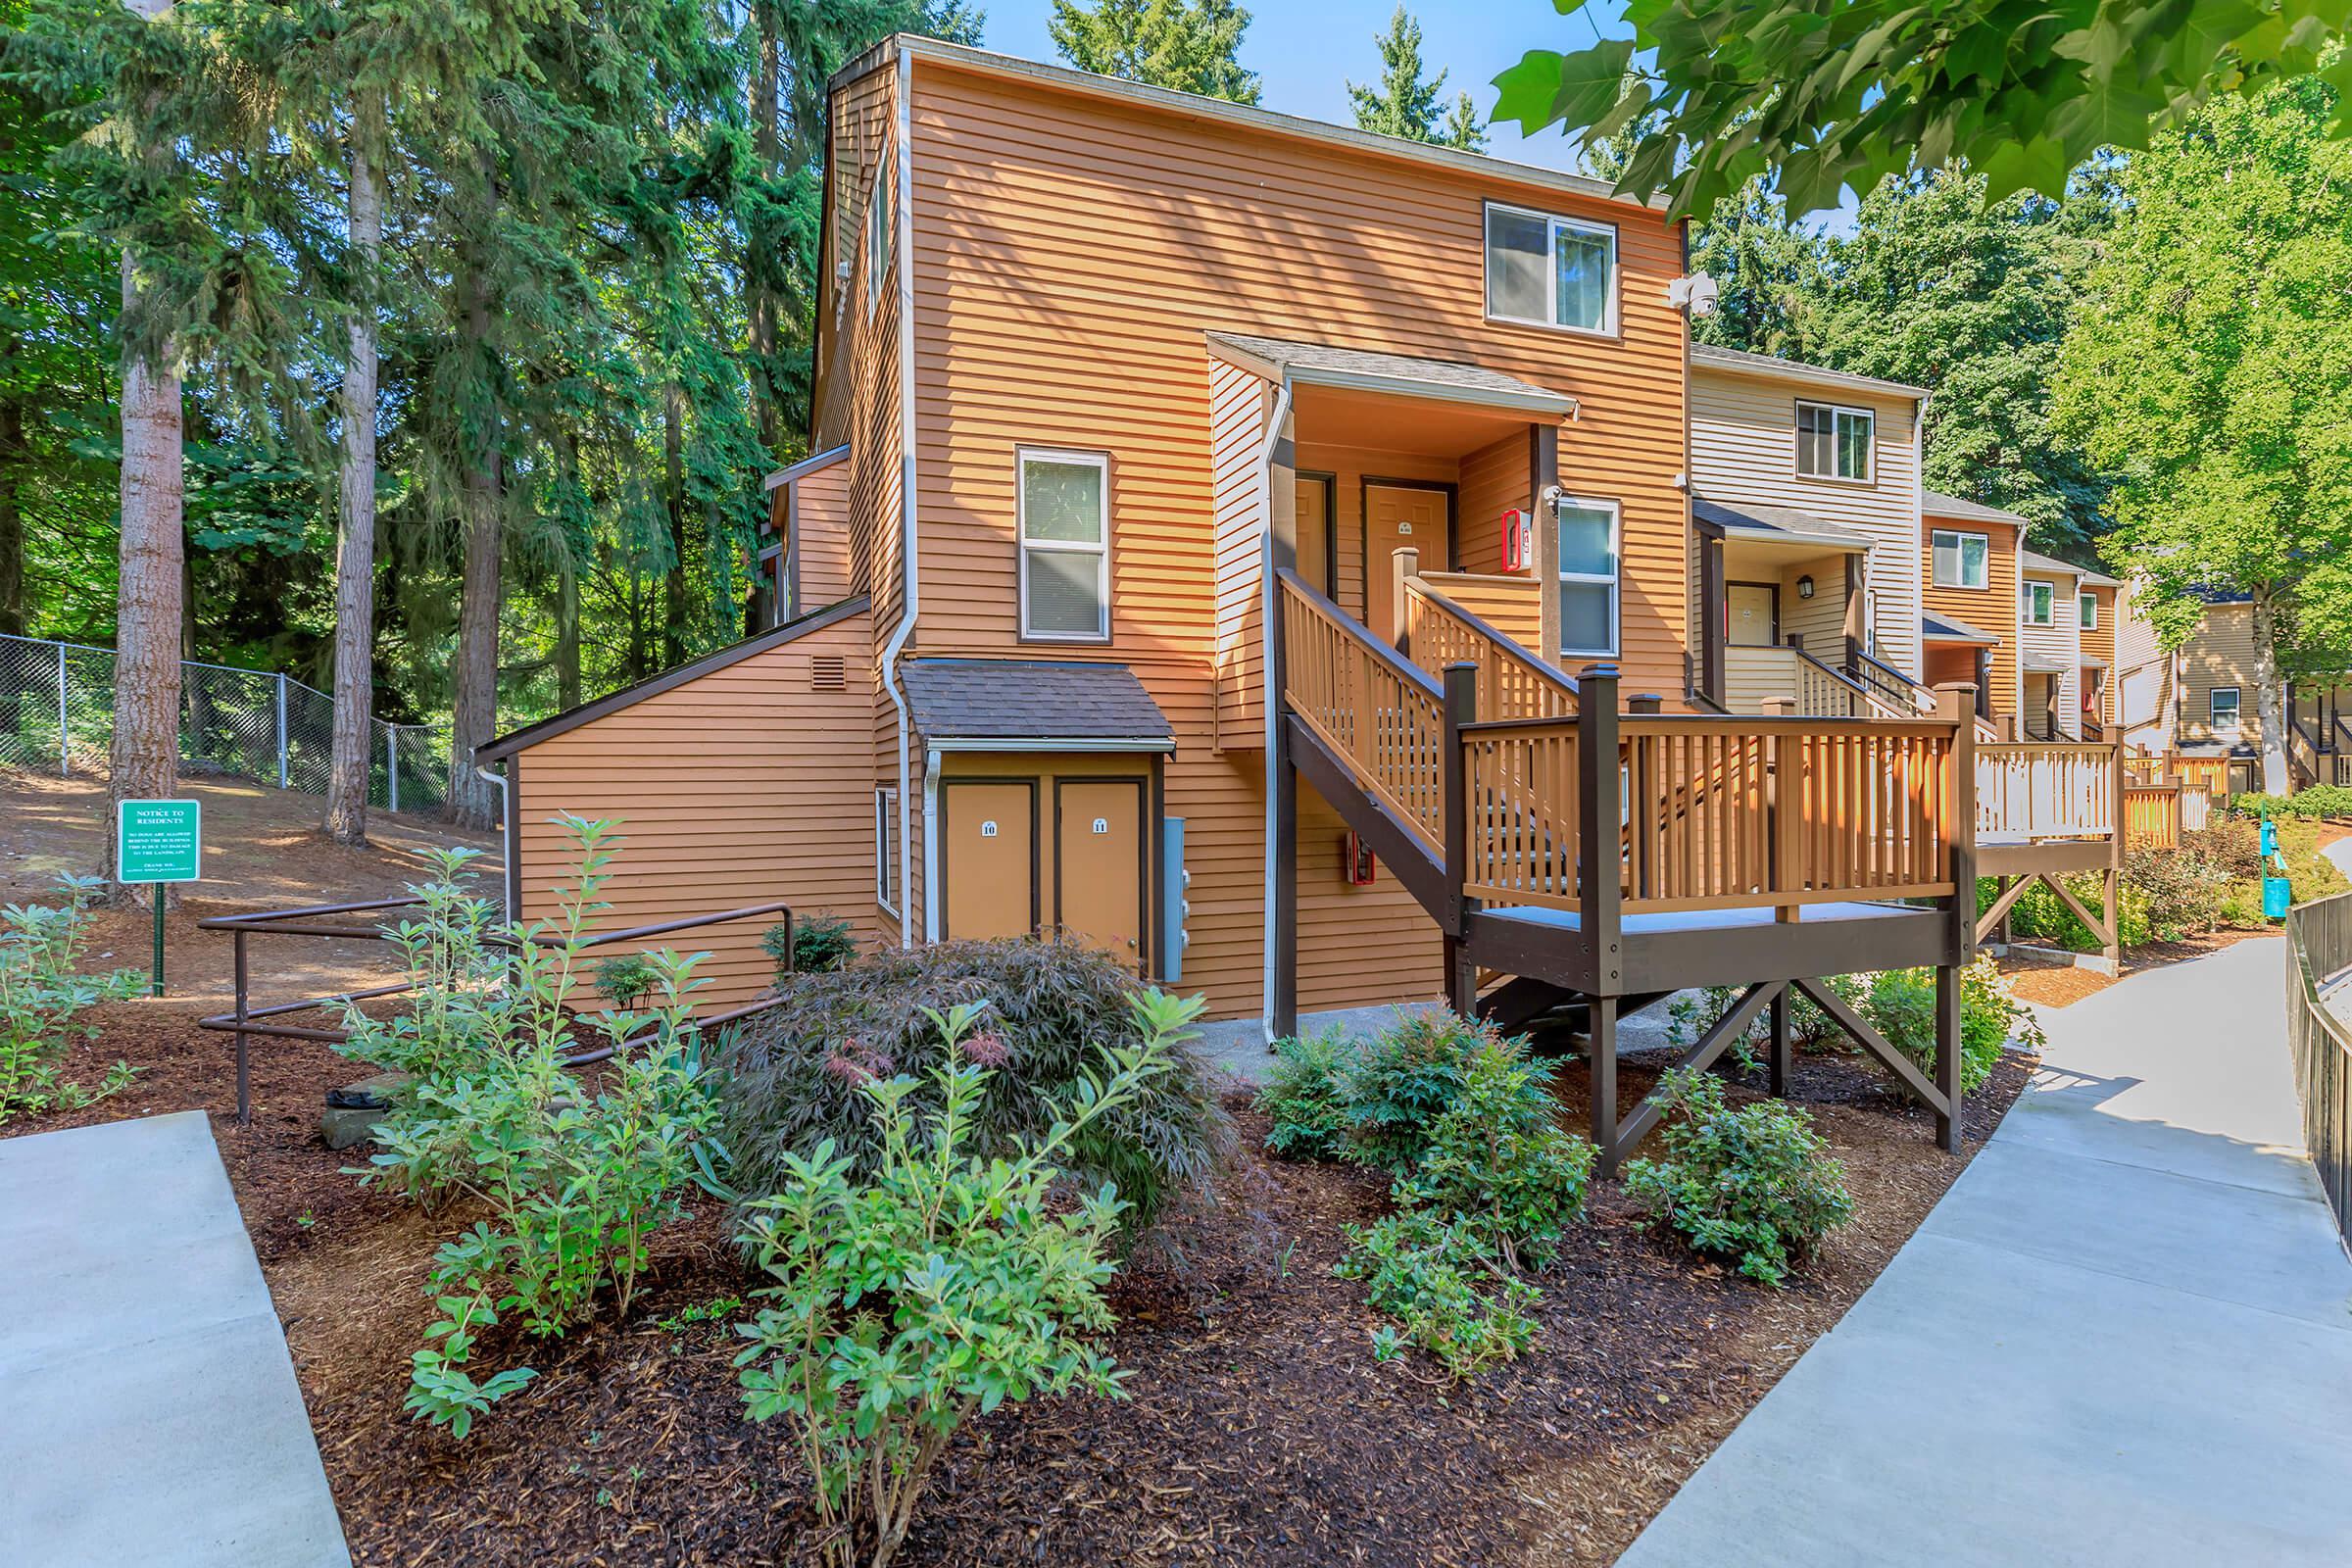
(1098, 864)
(1755, 611)
(990, 868)
(1399, 518)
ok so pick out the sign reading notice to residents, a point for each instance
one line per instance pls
(158, 841)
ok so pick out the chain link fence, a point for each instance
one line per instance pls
(57, 712)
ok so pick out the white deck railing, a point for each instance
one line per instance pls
(2057, 790)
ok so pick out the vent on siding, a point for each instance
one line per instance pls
(826, 673)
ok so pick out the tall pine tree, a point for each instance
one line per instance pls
(1189, 45)
(1404, 103)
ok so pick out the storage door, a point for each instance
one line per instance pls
(1098, 865)
(991, 861)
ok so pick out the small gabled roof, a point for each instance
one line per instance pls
(1399, 375)
(808, 464)
(1937, 628)
(571, 718)
(1742, 363)
(1751, 520)
(2050, 565)
(1032, 703)
(1936, 503)
(2044, 663)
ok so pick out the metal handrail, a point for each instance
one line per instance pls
(246, 1020)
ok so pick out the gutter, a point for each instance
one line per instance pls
(510, 839)
(1272, 700)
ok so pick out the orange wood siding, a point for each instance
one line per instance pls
(821, 504)
(1494, 480)
(2099, 643)
(1237, 428)
(744, 786)
(1068, 254)
(1993, 607)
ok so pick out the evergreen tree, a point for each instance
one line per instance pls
(1406, 104)
(1189, 45)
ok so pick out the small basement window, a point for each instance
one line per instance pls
(886, 850)
(2224, 708)
(1588, 558)
(2039, 610)
(1550, 271)
(1066, 546)
(1961, 559)
(1835, 443)
(2088, 608)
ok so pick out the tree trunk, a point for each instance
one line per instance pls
(2267, 707)
(472, 803)
(673, 498)
(567, 635)
(355, 544)
(13, 618)
(144, 759)
(764, 300)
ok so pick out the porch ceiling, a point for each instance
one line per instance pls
(1377, 421)
(1789, 533)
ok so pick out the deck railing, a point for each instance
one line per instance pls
(2152, 815)
(2047, 790)
(2318, 950)
(1513, 683)
(1368, 703)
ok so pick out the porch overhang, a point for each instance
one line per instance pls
(1392, 374)
(1031, 705)
(1781, 530)
(1952, 629)
(2044, 664)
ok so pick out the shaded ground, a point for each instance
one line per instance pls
(1259, 1428)
(2058, 985)
(263, 850)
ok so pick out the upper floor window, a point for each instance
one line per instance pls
(2040, 610)
(1589, 556)
(1960, 559)
(881, 227)
(1550, 271)
(1833, 443)
(2088, 606)
(1066, 546)
(2224, 708)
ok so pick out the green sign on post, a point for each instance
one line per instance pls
(158, 841)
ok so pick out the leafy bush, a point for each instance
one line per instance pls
(1444, 1284)
(1302, 1099)
(576, 1184)
(818, 944)
(2319, 801)
(1902, 1005)
(1401, 1081)
(796, 1070)
(41, 993)
(1756, 1182)
(624, 978)
(939, 1276)
(2039, 914)
(1810, 1027)
(1500, 1163)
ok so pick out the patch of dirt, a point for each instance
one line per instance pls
(262, 849)
(1259, 1428)
(2058, 985)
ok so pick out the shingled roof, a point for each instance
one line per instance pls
(1402, 375)
(998, 699)
(1754, 521)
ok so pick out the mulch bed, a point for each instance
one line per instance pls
(1259, 1428)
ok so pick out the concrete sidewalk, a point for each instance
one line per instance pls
(148, 1407)
(2125, 1336)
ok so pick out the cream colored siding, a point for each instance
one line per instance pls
(744, 786)
(1743, 450)
(2221, 654)
(1821, 619)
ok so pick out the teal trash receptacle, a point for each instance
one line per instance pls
(2277, 895)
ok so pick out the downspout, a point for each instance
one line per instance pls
(510, 851)
(1917, 598)
(906, 514)
(1272, 701)
(932, 918)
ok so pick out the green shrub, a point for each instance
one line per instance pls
(41, 993)
(1401, 1081)
(1810, 1027)
(1902, 1005)
(2319, 801)
(574, 1185)
(940, 1280)
(797, 1070)
(816, 944)
(2039, 914)
(1498, 1163)
(624, 978)
(1444, 1284)
(1758, 1183)
(1301, 1098)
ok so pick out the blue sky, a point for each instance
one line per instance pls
(1308, 50)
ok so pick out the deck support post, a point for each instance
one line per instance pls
(1282, 781)
(1956, 705)
(1461, 707)
(1782, 1056)
(2118, 844)
(1600, 894)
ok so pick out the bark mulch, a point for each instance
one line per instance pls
(1258, 1429)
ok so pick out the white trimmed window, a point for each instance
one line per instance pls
(1550, 271)
(1588, 561)
(1833, 443)
(886, 850)
(1066, 546)
(881, 227)
(2088, 606)
(2040, 600)
(1961, 559)
(2224, 708)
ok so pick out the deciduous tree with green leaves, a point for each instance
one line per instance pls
(2211, 369)
(1825, 94)
(1404, 103)
(1189, 45)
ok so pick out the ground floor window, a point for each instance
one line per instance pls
(886, 850)
(1588, 561)
(2224, 708)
